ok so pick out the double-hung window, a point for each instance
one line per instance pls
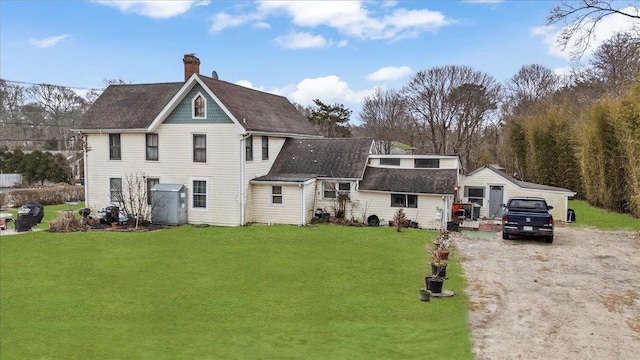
(328, 190)
(115, 189)
(404, 200)
(152, 146)
(475, 194)
(265, 148)
(199, 148)
(276, 195)
(115, 152)
(199, 194)
(151, 182)
(249, 148)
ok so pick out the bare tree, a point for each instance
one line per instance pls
(384, 116)
(133, 200)
(581, 17)
(531, 84)
(615, 64)
(63, 109)
(450, 105)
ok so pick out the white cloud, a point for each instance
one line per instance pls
(389, 73)
(351, 18)
(48, 42)
(603, 30)
(301, 40)
(329, 89)
(155, 9)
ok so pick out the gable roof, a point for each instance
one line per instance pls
(136, 107)
(128, 106)
(415, 181)
(303, 159)
(520, 183)
(259, 111)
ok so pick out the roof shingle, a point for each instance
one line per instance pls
(416, 181)
(343, 158)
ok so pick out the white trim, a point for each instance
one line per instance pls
(193, 106)
(181, 94)
(271, 195)
(207, 194)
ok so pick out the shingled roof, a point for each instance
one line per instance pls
(520, 183)
(414, 181)
(303, 159)
(128, 107)
(259, 111)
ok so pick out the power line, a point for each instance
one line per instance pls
(69, 87)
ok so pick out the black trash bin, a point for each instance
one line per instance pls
(571, 215)
(25, 220)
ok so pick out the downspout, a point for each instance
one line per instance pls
(86, 167)
(303, 210)
(243, 164)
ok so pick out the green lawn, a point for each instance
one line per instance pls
(257, 292)
(587, 215)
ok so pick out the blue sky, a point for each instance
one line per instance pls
(337, 51)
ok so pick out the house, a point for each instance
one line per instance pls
(489, 186)
(247, 156)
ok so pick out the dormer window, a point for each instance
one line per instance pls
(199, 107)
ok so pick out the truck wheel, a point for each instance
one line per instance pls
(505, 236)
(549, 239)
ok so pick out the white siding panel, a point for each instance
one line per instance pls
(289, 212)
(175, 165)
(380, 204)
(486, 178)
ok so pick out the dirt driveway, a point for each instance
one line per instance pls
(578, 298)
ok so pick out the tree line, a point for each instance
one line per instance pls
(578, 131)
(36, 167)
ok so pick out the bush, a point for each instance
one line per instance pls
(45, 196)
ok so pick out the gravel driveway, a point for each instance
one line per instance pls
(578, 298)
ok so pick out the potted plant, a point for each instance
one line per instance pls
(435, 281)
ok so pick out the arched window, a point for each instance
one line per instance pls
(199, 107)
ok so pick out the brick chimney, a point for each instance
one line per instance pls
(191, 65)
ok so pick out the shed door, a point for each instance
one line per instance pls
(495, 200)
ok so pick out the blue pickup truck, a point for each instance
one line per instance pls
(527, 216)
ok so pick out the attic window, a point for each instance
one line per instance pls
(199, 107)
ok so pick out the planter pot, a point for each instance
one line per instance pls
(424, 294)
(114, 225)
(439, 270)
(444, 254)
(434, 284)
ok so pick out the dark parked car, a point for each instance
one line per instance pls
(527, 216)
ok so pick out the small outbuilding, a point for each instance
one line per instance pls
(489, 187)
(169, 204)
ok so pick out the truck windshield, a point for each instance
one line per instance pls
(529, 204)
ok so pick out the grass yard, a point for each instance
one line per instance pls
(587, 215)
(258, 292)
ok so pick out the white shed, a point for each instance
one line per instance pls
(489, 187)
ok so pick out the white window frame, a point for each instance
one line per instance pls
(329, 186)
(207, 193)
(406, 201)
(334, 186)
(149, 194)
(193, 148)
(193, 106)
(148, 147)
(472, 198)
(113, 148)
(111, 190)
(275, 195)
